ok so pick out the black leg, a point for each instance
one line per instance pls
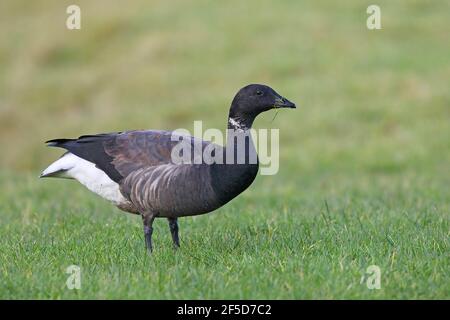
(173, 225)
(147, 219)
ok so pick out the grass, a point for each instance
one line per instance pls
(298, 242)
(363, 174)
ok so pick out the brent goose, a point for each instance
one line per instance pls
(135, 170)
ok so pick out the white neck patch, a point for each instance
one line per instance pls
(235, 124)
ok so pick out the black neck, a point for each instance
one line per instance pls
(240, 161)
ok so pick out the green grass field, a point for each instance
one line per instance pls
(364, 162)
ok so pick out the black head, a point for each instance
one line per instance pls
(253, 99)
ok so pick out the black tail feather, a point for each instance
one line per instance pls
(91, 148)
(82, 139)
(57, 142)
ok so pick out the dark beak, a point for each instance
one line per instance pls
(282, 102)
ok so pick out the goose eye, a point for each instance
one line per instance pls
(259, 93)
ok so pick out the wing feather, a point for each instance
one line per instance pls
(121, 153)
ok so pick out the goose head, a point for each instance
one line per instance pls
(252, 100)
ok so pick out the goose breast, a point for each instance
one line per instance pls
(172, 190)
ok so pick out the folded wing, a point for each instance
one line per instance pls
(121, 153)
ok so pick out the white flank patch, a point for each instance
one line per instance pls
(88, 175)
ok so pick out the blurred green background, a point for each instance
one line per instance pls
(378, 100)
(372, 122)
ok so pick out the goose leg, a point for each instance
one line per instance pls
(148, 219)
(173, 225)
